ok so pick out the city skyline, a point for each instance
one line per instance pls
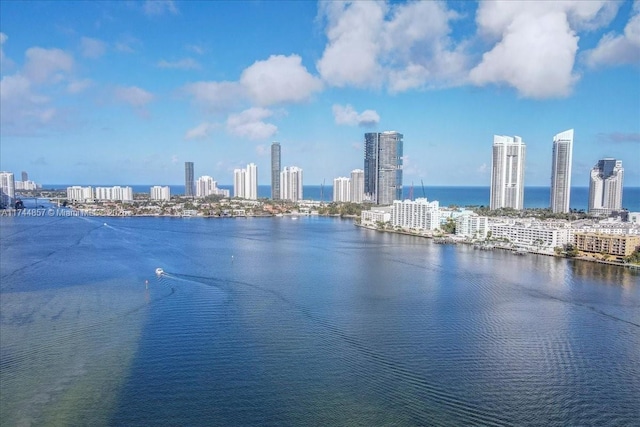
(99, 91)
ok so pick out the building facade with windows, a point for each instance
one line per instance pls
(160, 193)
(291, 184)
(342, 189)
(189, 184)
(7, 189)
(605, 186)
(561, 160)
(383, 167)
(417, 214)
(507, 172)
(275, 170)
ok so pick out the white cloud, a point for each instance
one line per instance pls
(249, 124)
(4, 61)
(402, 46)
(78, 86)
(197, 49)
(215, 96)
(618, 49)
(537, 44)
(134, 96)
(44, 65)
(159, 7)
(279, 79)
(262, 150)
(92, 48)
(202, 131)
(346, 115)
(23, 111)
(183, 64)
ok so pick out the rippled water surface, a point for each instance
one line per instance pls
(278, 321)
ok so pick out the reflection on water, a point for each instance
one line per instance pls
(280, 322)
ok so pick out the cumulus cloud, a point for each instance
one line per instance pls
(159, 7)
(92, 48)
(45, 65)
(346, 115)
(402, 46)
(134, 96)
(537, 44)
(249, 124)
(23, 110)
(183, 64)
(4, 61)
(279, 79)
(618, 49)
(202, 131)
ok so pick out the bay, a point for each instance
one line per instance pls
(313, 321)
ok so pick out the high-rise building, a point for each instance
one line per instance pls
(291, 183)
(189, 185)
(383, 167)
(79, 194)
(561, 171)
(239, 186)
(357, 185)
(507, 172)
(124, 194)
(245, 182)
(25, 176)
(7, 189)
(251, 182)
(160, 193)
(605, 186)
(275, 170)
(342, 189)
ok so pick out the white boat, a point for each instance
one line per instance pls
(159, 271)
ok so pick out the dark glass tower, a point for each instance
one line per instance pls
(275, 171)
(383, 167)
(189, 185)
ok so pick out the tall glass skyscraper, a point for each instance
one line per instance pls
(275, 171)
(189, 183)
(561, 171)
(605, 186)
(507, 172)
(383, 167)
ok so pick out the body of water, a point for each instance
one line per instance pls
(534, 197)
(309, 321)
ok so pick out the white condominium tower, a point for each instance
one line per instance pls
(605, 186)
(291, 183)
(342, 189)
(245, 182)
(160, 193)
(507, 172)
(561, 171)
(383, 167)
(357, 185)
(7, 189)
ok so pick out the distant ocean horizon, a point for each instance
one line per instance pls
(534, 196)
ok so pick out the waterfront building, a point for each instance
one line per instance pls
(376, 216)
(275, 171)
(251, 182)
(291, 184)
(561, 171)
(239, 178)
(25, 176)
(7, 189)
(160, 193)
(357, 185)
(507, 172)
(383, 167)
(124, 194)
(417, 214)
(26, 185)
(472, 225)
(342, 189)
(80, 194)
(634, 218)
(617, 245)
(189, 184)
(605, 186)
(532, 233)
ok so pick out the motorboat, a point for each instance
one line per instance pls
(159, 271)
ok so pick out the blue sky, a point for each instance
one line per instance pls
(126, 92)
